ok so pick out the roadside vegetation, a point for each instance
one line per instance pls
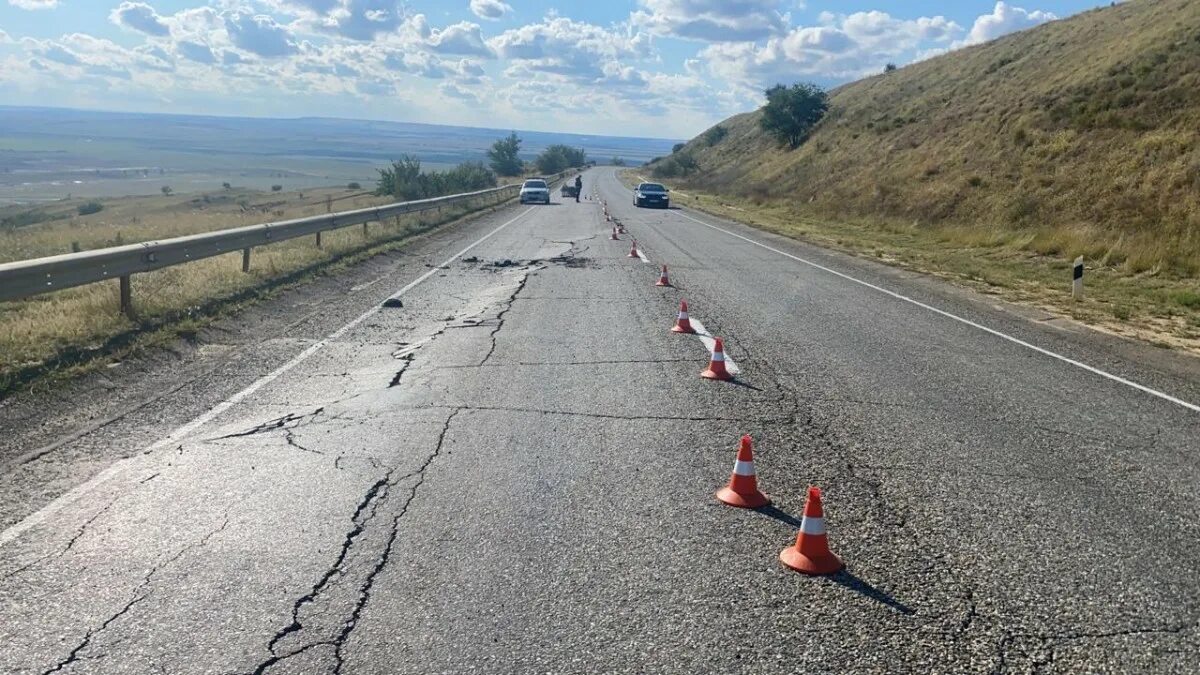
(58, 334)
(558, 158)
(996, 165)
(405, 181)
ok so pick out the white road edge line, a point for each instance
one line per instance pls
(991, 331)
(643, 256)
(710, 343)
(40, 516)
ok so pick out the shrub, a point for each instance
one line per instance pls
(354, 186)
(617, 161)
(90, 208)
(889, 68)
(166, 190)
(559, 157)
(791, 112)
(504, 157)
(715, 135)
(276, 188)
(227, 186)
(677, 148)
(405, 180)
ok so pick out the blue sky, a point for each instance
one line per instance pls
(667, 68)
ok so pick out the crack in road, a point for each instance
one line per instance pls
(294, 419)
(1051, 641)
(365, 512)
(508, 305)
(70, 544)
(138, 596)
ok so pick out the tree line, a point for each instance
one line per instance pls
(406, 180)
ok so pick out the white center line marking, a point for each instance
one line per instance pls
(180, 433)
(991, 331)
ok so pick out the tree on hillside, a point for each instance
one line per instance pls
(792, 112)
(503, 156)
(558, 158)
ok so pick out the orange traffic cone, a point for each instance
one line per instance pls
(742, 490)
(607, 218)
(662, 279)
(811, 553)
(683, 324)
(633, 250)
(716, 365)
(614, 236)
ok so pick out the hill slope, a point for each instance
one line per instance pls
(1078, 137)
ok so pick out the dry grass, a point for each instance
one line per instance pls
(63, 329)
(1081, 136)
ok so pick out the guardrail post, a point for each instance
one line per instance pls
(318, 240)
(365, 234)
(127, 296)
(245, 260)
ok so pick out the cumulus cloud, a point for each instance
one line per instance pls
(491, 10)
(355, 19)
(712, 20)
(259, 34)
(34, 4)
(140, 17)
(196, 51)
(454, 91)
(844, 47)
(1003, 20)
(571, 49)
(4, 38)
(463, 38)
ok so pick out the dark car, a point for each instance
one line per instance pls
(651, 194)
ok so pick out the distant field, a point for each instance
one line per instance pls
(53, 154)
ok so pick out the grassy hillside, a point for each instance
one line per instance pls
(1078, 137)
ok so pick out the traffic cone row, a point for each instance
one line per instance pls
(614, 236)
(810, 554)
(633, 252)
(662, 278)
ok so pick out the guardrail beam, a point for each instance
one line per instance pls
(27, 278)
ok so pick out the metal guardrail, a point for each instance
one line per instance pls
(26, 278)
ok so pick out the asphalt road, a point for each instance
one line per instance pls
(515, 472)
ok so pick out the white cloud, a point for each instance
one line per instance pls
(491, 10)
(712, 20)
(570, 49)
(140, 17)
(462, 38)
(34, 4)
(844, 47)
(4, 38)
(259, 34)
(454, 91)
(195, 51)
(1003, 20)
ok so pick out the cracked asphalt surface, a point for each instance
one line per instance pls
(514, 472)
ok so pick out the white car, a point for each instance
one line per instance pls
(535, 190)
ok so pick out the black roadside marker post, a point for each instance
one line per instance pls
(1077, 280)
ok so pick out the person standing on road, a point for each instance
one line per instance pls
(578, 187)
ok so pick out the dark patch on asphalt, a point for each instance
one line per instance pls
(393, 303)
